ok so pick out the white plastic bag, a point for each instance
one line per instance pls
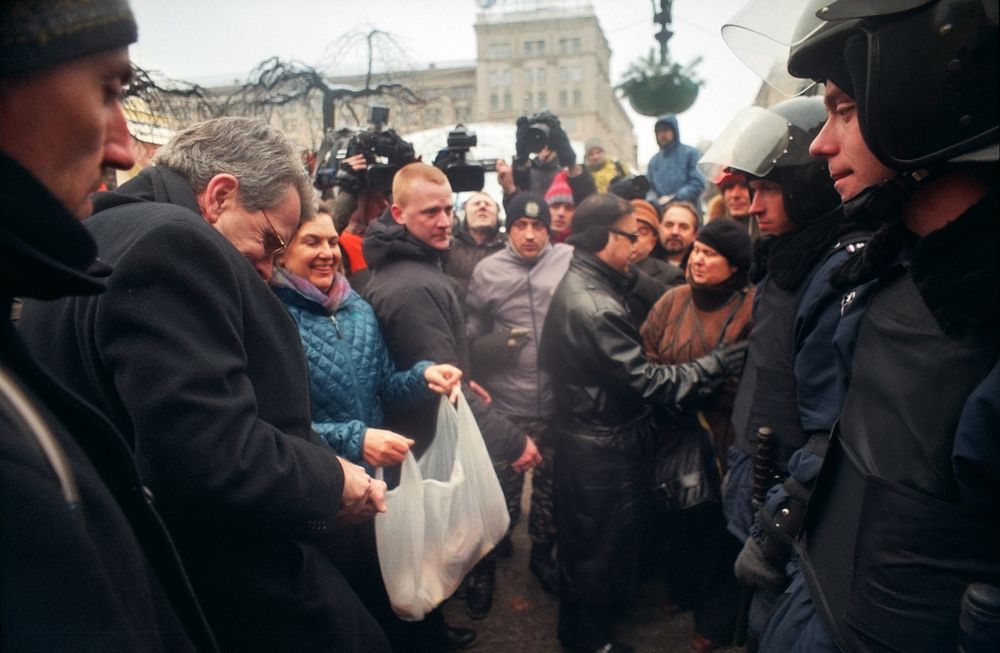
(447, 512)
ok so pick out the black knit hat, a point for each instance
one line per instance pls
(729, 238)
(528, 205)
(593, 217)
(38, 34)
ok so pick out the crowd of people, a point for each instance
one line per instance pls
(779, 405)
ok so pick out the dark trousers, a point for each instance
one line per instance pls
(699, 568)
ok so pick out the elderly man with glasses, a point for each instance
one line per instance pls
(200, 367)
(604, 391)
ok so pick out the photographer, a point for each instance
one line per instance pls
(359, 166)
(542, 134)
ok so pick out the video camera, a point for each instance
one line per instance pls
(540, 126)
(631, 187)
(384, 151)
(463, 175)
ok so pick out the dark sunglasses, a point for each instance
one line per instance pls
(632, 237)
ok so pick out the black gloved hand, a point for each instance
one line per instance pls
(559, 143)
(731, 357)
(521, 142)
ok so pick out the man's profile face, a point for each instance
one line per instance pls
(481, 212)
(258, 235)
(737, 199)
(678, 230)
(620, 252)
(65, 123)
(768, 208)
(853, 167)
(427, 213)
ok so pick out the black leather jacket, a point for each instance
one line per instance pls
(593, 350)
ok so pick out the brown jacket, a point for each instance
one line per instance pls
(678, 331)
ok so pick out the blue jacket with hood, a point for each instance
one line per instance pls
(672, 170)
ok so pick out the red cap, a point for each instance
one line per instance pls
(728, 178)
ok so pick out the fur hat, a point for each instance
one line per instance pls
(559, 192)
(729, 238)
(528, 205)
(38, 34)
(647, 213)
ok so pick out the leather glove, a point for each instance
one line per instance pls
(521, 141)
(497, 349)
(731, 357)
(559, 143)
(755, 569)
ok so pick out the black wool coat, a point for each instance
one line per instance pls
(421, 318)
(85, 561)
(197, 362)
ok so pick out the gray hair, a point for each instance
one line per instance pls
(251, 150)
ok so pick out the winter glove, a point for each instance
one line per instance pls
(753, 568)
(559, 143)
(731, 357)
(498, 349)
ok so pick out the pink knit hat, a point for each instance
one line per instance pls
(559, 192)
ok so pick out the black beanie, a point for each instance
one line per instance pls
(38, 34)
(593, 217)
(729, 238)
(528, 205)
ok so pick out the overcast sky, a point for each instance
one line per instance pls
(218, 41)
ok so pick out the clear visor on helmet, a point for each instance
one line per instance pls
(763, 33)
(755, 141)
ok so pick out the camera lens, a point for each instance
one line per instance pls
(537, 136)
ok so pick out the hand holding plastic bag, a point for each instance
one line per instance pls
(446, 514)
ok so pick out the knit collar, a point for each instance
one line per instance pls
(45, 252)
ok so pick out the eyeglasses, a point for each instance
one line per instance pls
(282, 246)
(632, 237)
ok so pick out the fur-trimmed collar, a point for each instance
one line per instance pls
(956, 268)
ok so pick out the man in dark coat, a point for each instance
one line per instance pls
(422, 319)
(196, 361)
(604, 388)
(85, 561)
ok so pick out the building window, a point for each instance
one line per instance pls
(493, 79)
(527, 101)
(529, 76)
(574, 45)
(506, 101)
(505, 77)
(562, 99)
(494, 102)
(577, 97)
(462, 93)
(498, 51)
(575, 74)
(563, 75)
(540, 47)
(542, 100)
(540, 76)
(529, 48)
(563, 46)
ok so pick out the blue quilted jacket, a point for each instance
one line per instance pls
(351, 374)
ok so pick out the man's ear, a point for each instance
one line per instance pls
(220, 194)
(397, 213)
